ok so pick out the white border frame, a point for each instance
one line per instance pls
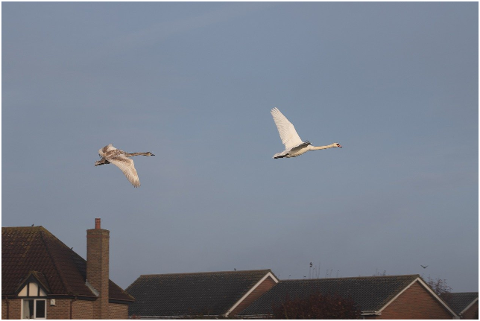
(269, 274)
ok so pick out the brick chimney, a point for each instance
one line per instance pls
(97, 267)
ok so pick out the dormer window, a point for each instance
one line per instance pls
(34, 298)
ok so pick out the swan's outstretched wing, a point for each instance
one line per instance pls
(287, 131)
(126, 166)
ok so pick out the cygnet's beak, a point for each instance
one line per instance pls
(339, 145)
(152, 154)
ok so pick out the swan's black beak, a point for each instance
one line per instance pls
(152, 155)
(338, 145)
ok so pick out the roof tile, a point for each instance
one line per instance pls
(370, 293)
(459, 301)
(183, 294)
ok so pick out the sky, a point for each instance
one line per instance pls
(396, 84)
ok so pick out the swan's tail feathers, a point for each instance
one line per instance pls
(280, 155)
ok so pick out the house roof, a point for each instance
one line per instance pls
(34, 251)
(370, 293)
(460, 301)
(184, 294)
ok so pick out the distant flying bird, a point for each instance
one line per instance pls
(424, 266)
(294, 146)
(119, 158)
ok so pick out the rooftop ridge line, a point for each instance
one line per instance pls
(352, 277)
(194, 273)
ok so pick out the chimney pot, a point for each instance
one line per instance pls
(97, 223)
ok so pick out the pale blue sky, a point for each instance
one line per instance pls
(395, 83)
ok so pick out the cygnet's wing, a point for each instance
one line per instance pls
(107, 151)
(126, 166)
(287, 131)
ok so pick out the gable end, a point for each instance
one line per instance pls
(424, 286)
(32, 286)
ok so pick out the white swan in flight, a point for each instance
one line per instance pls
(294, 146)
(119, 158)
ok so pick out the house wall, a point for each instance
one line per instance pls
(4, 309)
(79, 309)
(82, 309)
(266, 285)
(118, 311)
(12, 309)
(415, 303)
(61, 309)
(471, 313)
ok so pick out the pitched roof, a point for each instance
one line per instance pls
(35, 251)
(460, 301)
(184, 294)
(370, 293)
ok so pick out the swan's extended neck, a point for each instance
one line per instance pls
(139, 154)
(323, 147)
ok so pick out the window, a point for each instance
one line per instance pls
(34, 309)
